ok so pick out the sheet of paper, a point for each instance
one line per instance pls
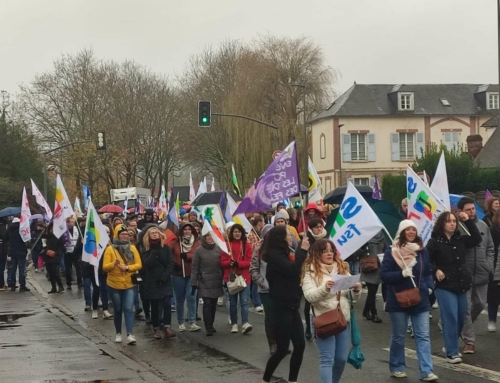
(344, 282)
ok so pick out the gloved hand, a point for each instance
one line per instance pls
(407, 273)
(234, 263)
(193, 290)
(184, 256)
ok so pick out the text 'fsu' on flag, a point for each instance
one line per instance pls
(279, 181)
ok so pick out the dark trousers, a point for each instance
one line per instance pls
(307, 315)
(146, 305)
(370, 306)
(209, 308)
(18, 263)
(266, 302)
(161, 314)
(53, 271)
(103, 291)
(70, 260)
(287, 326)
(3, 263)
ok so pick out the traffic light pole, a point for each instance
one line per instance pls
(45, 162)
(246, 118)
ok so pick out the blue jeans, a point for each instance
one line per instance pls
(492, 312)
(62, 265)
(453, 308)
(255, 295)
(87, 291)
(15, 264)
(182, 288)
(233, 305)
(354, 267)
(123, 302)
(136, 298)
(399, 324)
(333, 352)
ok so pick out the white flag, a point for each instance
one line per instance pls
(203, 187)
(40, 200)
(96, 238)
(238, 218)
(125, 207)
(192, 194)
(356, 223)
(163, 201)
(216, 235)
(424, 207)
(439, 184)
(24, 226)
(62, 209)
(314, 183)
(213, 185)
(77, 208)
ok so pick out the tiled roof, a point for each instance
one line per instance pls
(489, 156)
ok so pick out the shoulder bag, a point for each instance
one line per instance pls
(136, 277)
(410, 297)
(330, 323)
(236, 283)
(369, 264)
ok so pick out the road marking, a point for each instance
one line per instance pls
(464, 368)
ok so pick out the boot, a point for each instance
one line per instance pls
(169, 333)
(367, 314)
(60, 289)
(271, 340)
(376, 319)
(157, 334)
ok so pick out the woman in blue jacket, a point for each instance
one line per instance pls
(405, 266)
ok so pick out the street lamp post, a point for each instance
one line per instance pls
(306, 154)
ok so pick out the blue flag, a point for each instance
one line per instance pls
(86, 196)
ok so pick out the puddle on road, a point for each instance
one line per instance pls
(3, 346)
(8, 320)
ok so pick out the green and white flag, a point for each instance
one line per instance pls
(236, 187)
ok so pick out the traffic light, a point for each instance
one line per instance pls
(101, 141)
(204, 114)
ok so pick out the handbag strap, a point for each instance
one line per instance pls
(338, 306)
(421, 266)
(123, 259)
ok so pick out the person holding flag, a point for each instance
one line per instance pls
(52, 253)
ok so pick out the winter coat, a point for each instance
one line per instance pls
(206, 272)
(51, 242)
(320, 297)
(157, 267)
(183, 268)
(37, 249)
(242, 253)
(17, 247)
(392, 275)
(310, 206)
(374, 246)
(4, 239)
(480, 259)
(495, 235)
(258, 272)
(283, 276)
(449, 256)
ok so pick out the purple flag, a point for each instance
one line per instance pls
(377, 193)
(487, 195)
(280, 181)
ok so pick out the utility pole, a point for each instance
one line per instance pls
(305, 163)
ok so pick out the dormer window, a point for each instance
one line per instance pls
(405, 101)
(492, 101)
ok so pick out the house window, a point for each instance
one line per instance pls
(328, 184)
(492, 100)
(451, 140)
(405, 101)
(361, 181)
(358, 147)
(406, 146)
(322, 146)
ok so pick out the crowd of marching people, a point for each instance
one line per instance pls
(154, 268)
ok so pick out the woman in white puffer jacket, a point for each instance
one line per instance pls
(319, 267)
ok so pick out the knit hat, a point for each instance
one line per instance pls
(229, 224)
(282, 214)
(163, 226)
(16, 220)
(403, 225)
(266, 229)
(120, 229)
(281, 204)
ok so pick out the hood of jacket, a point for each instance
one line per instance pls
(313, 206)
(193, 230)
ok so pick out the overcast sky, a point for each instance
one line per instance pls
(367, 41)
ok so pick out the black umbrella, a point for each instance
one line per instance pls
(336, 196)
(212, 198)
(10, 211)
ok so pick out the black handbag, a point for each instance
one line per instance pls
(136, 277)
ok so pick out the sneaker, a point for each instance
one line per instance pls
(259, 309)
(87, 308)
(246, 328)
(118, 338)
(182, 327)
(173, 309)
(138, 311)
(399, 374)
(131, 339)
(23, 289)
(220, 301)
(36, 270)
(194, 327)
(106, 315)
(468, 349)
(94, 314)
(444, 352)
(229, 320)
(492, 326)
(435, 305)
(430, 315)
(200, 301)
(454, 359)
(234, 328)
(430, 378)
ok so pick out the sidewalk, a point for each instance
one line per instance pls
(38, 342)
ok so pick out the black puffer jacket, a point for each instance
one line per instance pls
(51, 242)
(157, 266)
(449, 256)
(17, 247)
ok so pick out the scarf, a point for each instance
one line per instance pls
(206, 245)
(408, 252)
(318, 237)
(186, 243)
(123, 248)
(329, 268)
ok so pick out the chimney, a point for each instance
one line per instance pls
(474, 144)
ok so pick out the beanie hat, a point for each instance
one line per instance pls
(163, 226)
(16, 220)
(282, 214)
(229, 224)
(281, 204)
(120, 229)
(266, 229)
(405, 224)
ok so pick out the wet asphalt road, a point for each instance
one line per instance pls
(226, 357)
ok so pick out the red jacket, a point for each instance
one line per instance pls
(242, 256)
(310, 206)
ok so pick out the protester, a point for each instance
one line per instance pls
(121, 261)
(447, 252)
(4, 249)
(206, 279)
(268, 217)
(491, 205)
(371, 277)
(327, 211)
(479, 262)
(17, 252)
(258, 273)
(280, 219)
(234, 264)
(312, 211)
(403, 210)
(117, 221)
(183, 248)
(294, 217)
(157, 270)
(254, 237)
(322, 263)
(404, 267)
(53, 251)
(36, 244)
(73, 253)
(148, 219)
(132, 236)
(494, 286)
(283, 273)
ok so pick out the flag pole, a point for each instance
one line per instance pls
(303, 217)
